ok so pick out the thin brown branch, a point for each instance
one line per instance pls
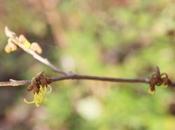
(156, 79)
(77, 77)
(99, 78)
(80, 77)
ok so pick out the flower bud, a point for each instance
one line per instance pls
(10, 47)
(24, 41)
(36, 47)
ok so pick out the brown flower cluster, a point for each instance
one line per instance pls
(39, 86)
(158, 79)
(38, 81)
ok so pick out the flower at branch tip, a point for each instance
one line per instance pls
(36, 47)
(39, 97)
(24, 41)
(20, 41)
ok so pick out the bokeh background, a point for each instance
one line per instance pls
(119, 38)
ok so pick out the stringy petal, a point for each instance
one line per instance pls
(38, 98)
(28, 102)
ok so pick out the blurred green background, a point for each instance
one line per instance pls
(119, 38)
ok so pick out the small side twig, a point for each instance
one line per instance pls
(41, 59)
(13, 38)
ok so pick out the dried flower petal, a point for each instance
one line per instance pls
(39, 97)
(50, 89)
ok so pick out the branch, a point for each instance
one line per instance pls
(81, 77)
(76, 77)
(99, 78)
(14, 83)
(156, 79)
(40, 59)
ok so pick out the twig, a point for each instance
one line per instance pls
(76, 77)
(14, 83)
(80, 77)
(12, 36)
(99, 78)
(41, 59)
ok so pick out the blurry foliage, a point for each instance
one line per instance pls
(111, 38)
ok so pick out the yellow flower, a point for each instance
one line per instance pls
(38, 97)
